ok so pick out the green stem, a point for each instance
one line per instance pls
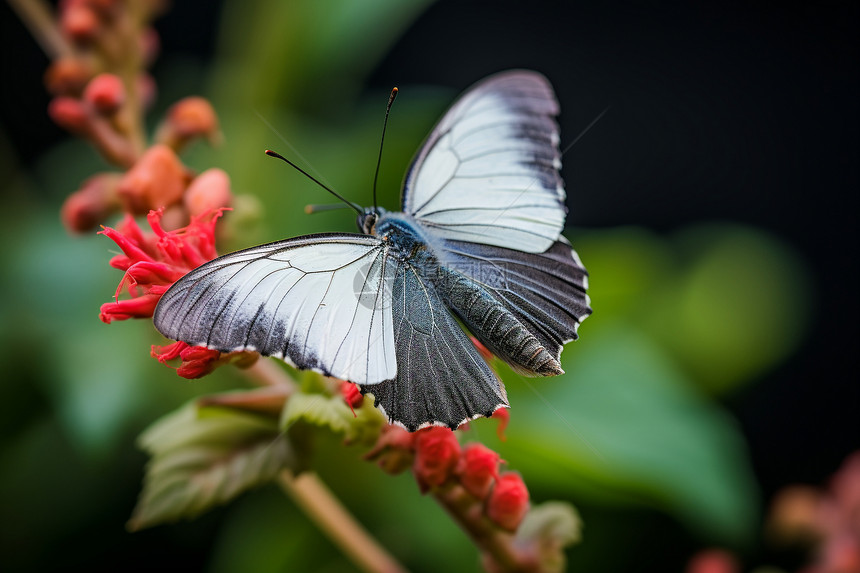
(320, 504)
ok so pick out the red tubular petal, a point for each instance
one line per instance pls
(131, 250)
(140, 307)
(169, 352)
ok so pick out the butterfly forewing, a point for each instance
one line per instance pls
(317, 301)
(488, 172)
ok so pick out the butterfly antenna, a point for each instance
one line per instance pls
(382, 141)
(277, 155)
(311, 209)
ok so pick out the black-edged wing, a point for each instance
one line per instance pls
(441, 378)
(546, 292)
(488, 172)
(317, 301)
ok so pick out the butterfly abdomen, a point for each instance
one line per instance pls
(494, 325)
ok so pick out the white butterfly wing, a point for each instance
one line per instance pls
(321, 302)
(488, 172)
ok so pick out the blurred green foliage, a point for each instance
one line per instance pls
(677, 320)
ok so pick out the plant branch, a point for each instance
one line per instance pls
(320, 504)
(265, 372)
(496, 546)
(37, 17)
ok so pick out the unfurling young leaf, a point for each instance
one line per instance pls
(206, 456)
(362, 427)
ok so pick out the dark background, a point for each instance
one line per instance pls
(716, 111)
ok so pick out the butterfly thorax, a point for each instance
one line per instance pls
(405, 235)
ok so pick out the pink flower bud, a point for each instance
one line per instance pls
(393, 450)
(67, 76)
(477, 468)
(436, 453)
(106, 93)
(187, 119)
(69, 113)
(351, 395)
(713, 561)
(508, 502)
(79, 22)
(97, 198)
(208, 191)
(156, 180)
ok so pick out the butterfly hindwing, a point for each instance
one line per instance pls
(488, 172)
(544, 292)
(317, 301)
(442, 379)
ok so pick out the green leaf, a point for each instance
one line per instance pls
(740, 307)
(332, 411)
(203, 457)
(623, 424)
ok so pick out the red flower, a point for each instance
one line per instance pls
(508, 502)
(477, 468)
(154, 261)
(351, 395)
(436, 453)
(198, 361)
(394, 450)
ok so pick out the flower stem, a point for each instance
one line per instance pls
(320, 504)
(38, 18)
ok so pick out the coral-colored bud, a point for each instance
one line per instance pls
(106, 93)
(393, 450)
(67, 76)
(97, 198)
(207, 192)
(477, 468)
(79, 22)
(156, 180)
(351, 395)
(508, 502)
(713, 561)
(187, 119)
(436, 453)
(70, 114)
(503, 415)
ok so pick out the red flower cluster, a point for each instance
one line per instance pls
(154, 261)
(440, 465)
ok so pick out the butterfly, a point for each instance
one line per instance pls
(477, 245)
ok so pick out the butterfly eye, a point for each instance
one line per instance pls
(367, 222)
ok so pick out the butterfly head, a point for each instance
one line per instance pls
(367, 219)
